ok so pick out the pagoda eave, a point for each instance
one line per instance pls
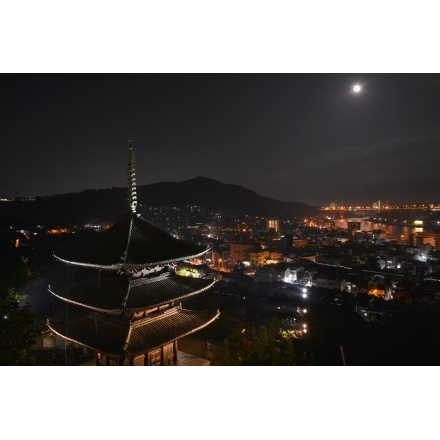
(121, 266)
(172, 299)
(136, 338)
(77, 342)
(139, 295)
(86, 306)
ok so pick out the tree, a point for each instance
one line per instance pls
(270, 346)
(16, 333)
(16, 322)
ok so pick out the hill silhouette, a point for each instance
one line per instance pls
(110, 204)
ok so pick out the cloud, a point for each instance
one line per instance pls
(394, 169)
(394, 155)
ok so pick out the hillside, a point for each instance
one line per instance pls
(110, 204)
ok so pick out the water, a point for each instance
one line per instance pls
(395, 232)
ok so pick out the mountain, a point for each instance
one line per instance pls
(110, 204)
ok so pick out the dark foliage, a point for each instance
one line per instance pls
(16, 333)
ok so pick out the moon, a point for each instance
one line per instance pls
(356, 88)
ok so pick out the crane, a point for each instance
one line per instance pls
(10, 188)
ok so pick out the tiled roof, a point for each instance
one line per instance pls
(120, 337)
(111, 292)
(131, 242)
(99, 333)
(163, 289)
(173, 325)
(100, 290)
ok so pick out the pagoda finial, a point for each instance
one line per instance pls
(131, 179)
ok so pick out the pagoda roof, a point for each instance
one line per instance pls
(131, 243)
(116, 336)
(113, 293)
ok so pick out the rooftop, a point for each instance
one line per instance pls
(112, 292)
(120, 337)
(130, 243)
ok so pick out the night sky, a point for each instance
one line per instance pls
(292, 137)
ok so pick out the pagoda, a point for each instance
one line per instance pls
(122, 297)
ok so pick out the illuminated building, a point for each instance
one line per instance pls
(299, 243)
(380, 287)
(422, 238)
(122, 300)
(437, 238)
(353, 226)
(241, 251)
(264, 257)
(273, 224)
